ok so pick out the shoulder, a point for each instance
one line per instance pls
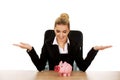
(49, 41)
(73, 43)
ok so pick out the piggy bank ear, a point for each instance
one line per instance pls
(60, 63)
(65, 62)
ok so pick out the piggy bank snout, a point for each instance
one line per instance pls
(57, 68)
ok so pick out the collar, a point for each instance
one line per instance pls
(55, 41)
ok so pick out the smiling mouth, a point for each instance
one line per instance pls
(61, 38)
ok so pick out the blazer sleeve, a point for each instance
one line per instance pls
(83, 64)
(39, 62)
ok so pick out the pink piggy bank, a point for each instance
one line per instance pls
(63, 69)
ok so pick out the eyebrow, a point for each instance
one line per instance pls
(59, 30)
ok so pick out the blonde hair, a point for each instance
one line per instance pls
(63, 19)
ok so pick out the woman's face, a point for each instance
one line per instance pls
(61, 32)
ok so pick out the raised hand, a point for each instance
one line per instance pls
(24, 46)
(102, 47)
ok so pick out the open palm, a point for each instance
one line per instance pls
(24, 46)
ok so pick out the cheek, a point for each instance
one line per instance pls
(65, 35)
(57, 34)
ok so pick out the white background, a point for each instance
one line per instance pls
(27, 20)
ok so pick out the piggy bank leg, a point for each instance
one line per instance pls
(69, 74)
(64, 74)
(60, 74)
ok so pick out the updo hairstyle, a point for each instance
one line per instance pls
(63, 20)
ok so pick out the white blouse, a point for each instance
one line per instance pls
(62, 50)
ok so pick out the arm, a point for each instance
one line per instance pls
(89, 58)
(38, 62)
(83, 64)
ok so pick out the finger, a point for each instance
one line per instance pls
(22, 43)
(108, 46)
(16, 44)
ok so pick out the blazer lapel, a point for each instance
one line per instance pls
(69, 48)
(53, 49)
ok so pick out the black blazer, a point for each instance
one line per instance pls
(51, 54)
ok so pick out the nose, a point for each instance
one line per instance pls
(61, 35)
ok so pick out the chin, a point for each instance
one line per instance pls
(62, 40)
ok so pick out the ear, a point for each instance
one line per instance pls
(65, 63)
(60, 63)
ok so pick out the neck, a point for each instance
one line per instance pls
(61, 44)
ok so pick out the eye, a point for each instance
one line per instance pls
(57, 31)
(65, 31)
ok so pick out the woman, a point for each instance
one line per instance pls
(61, 48)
